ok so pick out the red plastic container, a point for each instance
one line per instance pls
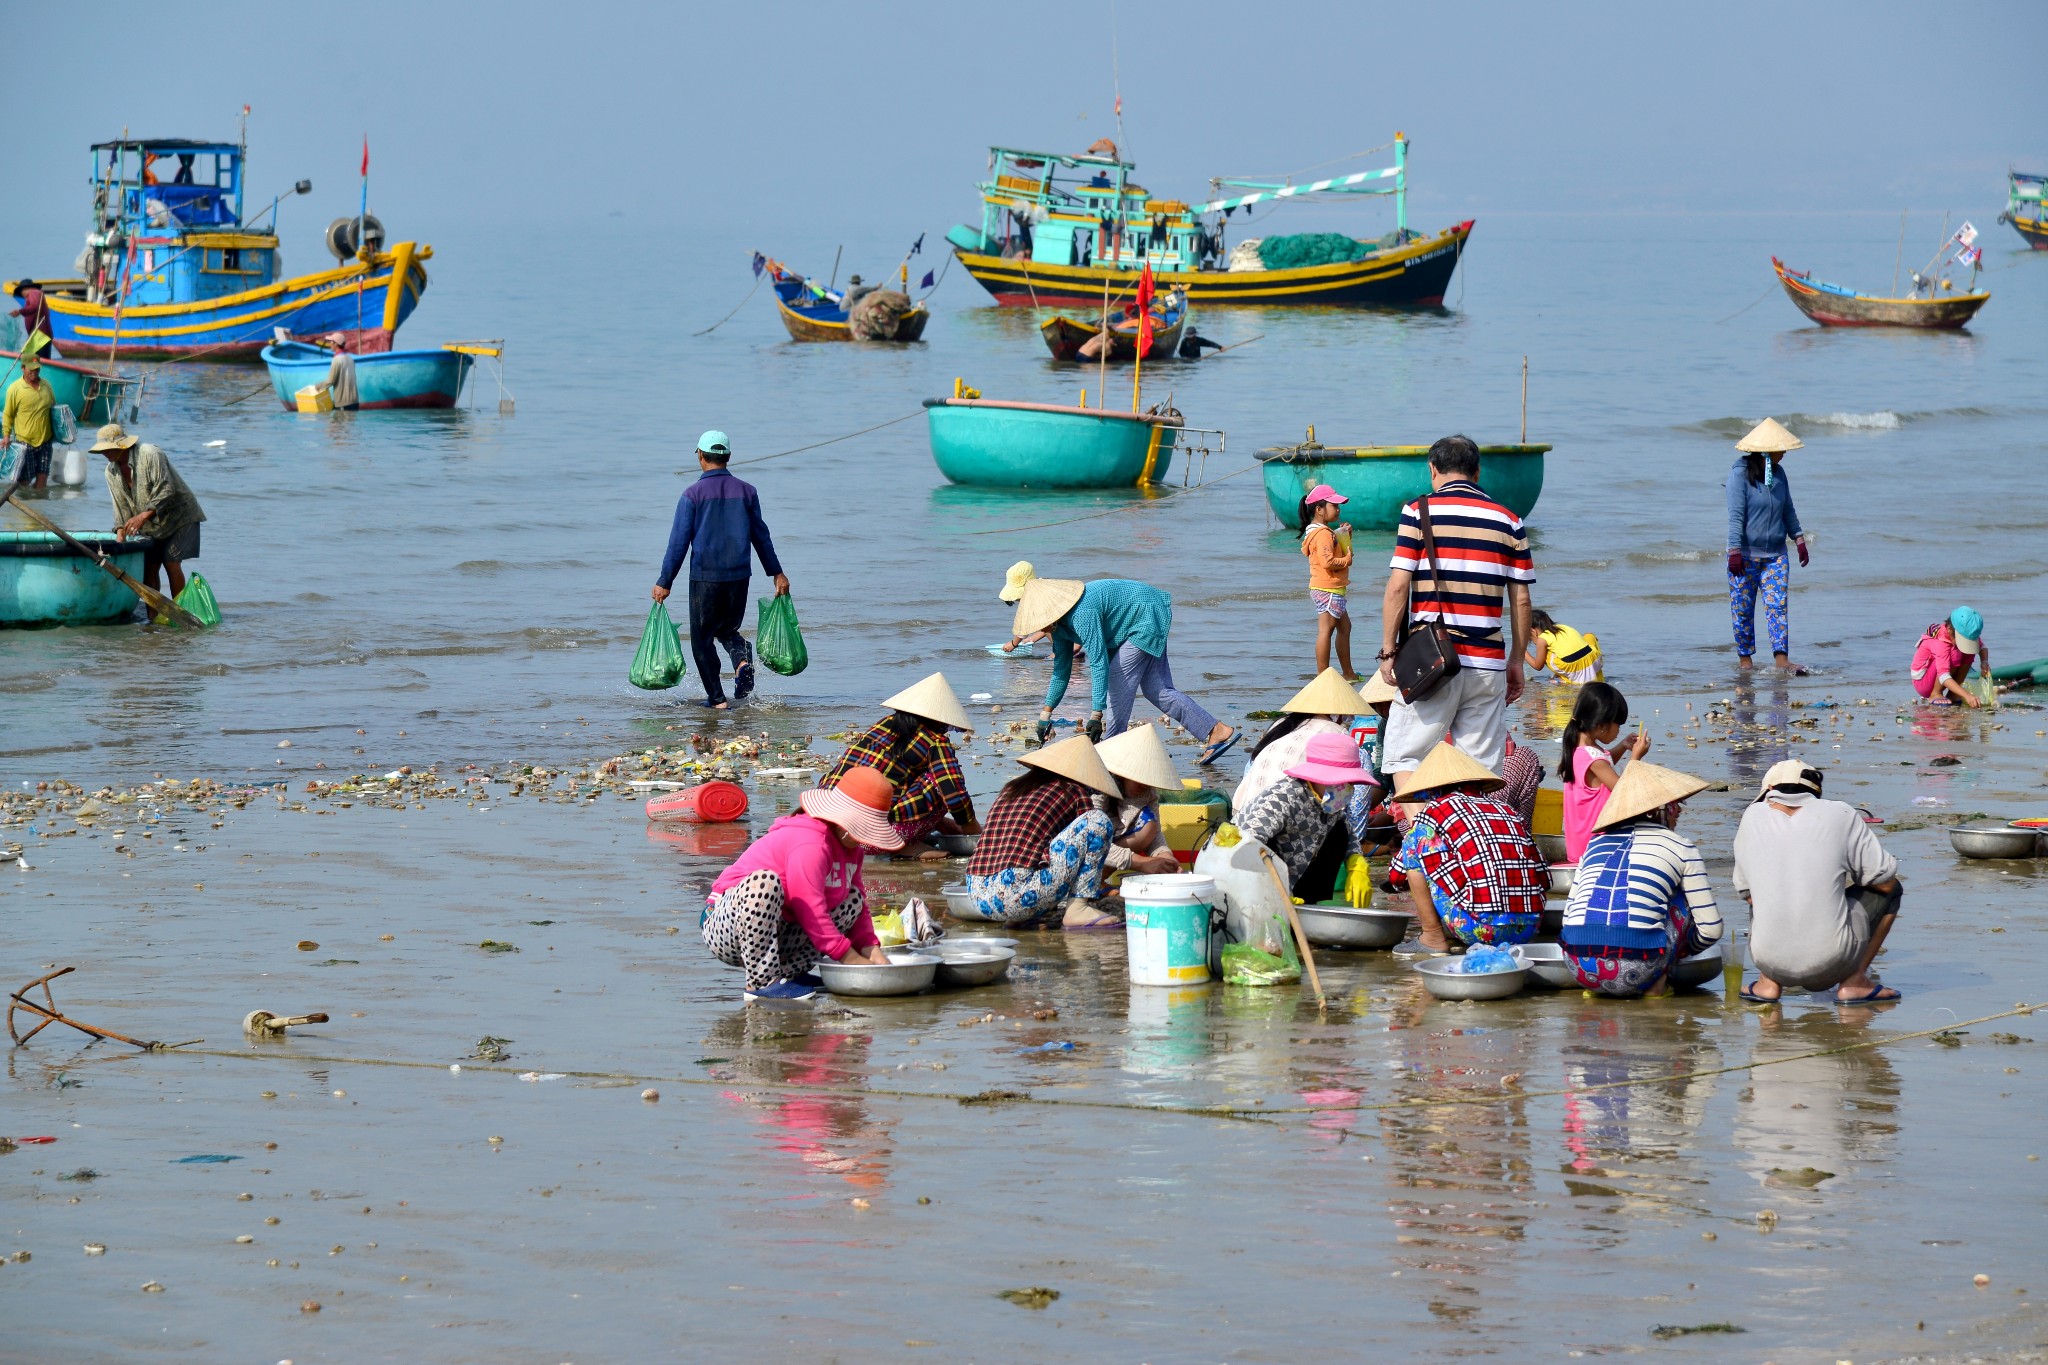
(708, 803)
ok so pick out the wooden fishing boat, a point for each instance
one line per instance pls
(1381, 480)
(2024, 210)
(1056, 228)
(173, 268)
(1830, 305)
(44, 582)
(95, 396)
(1065, 336)
(385, 379)
(812, 312)
(994, 444)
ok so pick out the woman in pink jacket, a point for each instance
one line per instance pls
(795, 896)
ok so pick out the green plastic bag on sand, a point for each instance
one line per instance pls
(778, 639)
(1244, 965)
(1983, 689)
(197, 598)
(658, 663)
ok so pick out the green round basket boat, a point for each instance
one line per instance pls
(1381, 480)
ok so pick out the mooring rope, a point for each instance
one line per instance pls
(735, 312)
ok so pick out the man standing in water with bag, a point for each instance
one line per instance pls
(719, 517)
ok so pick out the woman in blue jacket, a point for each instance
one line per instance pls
(1761, 518)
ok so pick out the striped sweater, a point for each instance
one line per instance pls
(1627, 884)
(1482, 547)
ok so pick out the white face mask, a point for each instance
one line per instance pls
(1334, 799)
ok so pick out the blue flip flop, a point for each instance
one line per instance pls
(1218, 749)
(1753, 998)
(1883, 995)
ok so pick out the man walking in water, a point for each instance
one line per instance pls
(27, 417)
(719, 517)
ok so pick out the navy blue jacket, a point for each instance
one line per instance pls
(1760, 519)
(718, 520)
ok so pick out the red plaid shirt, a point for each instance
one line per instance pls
(925, 772)
(1486, 857)
(1019, 830)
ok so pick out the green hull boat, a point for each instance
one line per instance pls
(95, 397)
(1041, 445)
(44, 582)
(1381, 480)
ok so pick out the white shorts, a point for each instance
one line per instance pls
(1471, 706)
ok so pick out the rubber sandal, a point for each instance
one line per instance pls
(1218, 749)
(743, 681)
(1883, 995)
(1753, 998)
(1870, 817)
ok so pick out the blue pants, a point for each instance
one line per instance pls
(1131, 671)
(716, 611)
(1774, 576)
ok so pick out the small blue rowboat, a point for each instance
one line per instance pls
(1043, 445)
(388, 379)
(44, 582)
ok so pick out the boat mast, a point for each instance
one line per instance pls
(1400, 186)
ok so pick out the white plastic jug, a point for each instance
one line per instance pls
(70, 468)
(1254, 911)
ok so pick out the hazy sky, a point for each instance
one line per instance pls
(869, 116)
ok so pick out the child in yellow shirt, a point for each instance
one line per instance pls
(1327, 543)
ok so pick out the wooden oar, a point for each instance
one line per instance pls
(1235, 344)
(151, 598)
(1308, 957)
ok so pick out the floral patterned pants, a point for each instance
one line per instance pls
(1774, 576)
(1626, 972)
(744, 927)
(1032, 896)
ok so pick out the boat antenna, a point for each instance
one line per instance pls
(1116, 82)
(836, 253)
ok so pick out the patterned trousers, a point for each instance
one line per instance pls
(744, 927)
(1774, 576)
(1626, 972)
(1032, 896)
(1131, 671)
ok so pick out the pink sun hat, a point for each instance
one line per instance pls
(1332, 761)
(1322, 492)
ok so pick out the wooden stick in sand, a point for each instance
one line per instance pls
(1308, 957)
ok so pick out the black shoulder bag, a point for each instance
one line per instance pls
(1425, 654)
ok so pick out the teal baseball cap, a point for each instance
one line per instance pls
(1968, 626)
(714, 443)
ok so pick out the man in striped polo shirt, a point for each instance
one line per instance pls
(1483, 574)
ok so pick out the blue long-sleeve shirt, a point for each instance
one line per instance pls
(718, 523)
(1112, 612)
(1760, 518)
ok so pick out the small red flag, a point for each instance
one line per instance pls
(1145, 312)
(366, 153)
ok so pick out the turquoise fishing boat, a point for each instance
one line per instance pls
(993, 444)
(1381, 480)
(173, 269)
(95, 396)
(44, 582)
(385, 379)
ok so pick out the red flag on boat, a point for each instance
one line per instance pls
(1145, 312)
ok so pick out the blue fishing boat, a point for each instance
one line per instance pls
(173, 268)
(813, 312)
(994, 444)
(44, 582)
(385, 379)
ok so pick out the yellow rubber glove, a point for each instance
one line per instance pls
(1357, 881)
(1227, 835)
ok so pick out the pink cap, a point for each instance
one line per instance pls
(1322, 492)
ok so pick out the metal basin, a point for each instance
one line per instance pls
(1551, 846)
(953, 845)
(958, 902)
(1561, 878)
(1448, 985)
(1340, 926)
(1548, 967)
(1698, 970)
(907, 974)
(972, 964)
(1992, 841)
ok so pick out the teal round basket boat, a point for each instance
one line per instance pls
(1042, 445)
(44, 582)
(1381, 480)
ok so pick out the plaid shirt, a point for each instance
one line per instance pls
(925, 772)
(1484, 856)
(1020, 829)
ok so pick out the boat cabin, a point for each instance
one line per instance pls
(168, 224)
(1083, 210)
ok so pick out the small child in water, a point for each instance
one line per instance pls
(1573, 656)
(1327, 543)
(1590, 753)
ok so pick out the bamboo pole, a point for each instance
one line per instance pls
(1525, 400)
(1308, 957)
(1107, 339)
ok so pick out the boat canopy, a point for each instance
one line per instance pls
(145, 185)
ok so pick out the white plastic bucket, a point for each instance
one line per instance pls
(69, 466)
(1166, 926)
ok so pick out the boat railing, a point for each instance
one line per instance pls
(1195, 443)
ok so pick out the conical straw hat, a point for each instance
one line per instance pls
(1045, 601)
(1645, 787)
(1140, 754)
(1450, 766)
(1328, 695)
(1075, 758)
(1376, 691)
(932, 699)
(1768, 438)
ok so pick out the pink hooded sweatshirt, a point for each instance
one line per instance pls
(817, 874)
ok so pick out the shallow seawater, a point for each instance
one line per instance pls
(467, 589)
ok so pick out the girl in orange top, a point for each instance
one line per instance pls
(1327, 543)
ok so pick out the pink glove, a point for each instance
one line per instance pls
(1801, 544)
(1735, 563)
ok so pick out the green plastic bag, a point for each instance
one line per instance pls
(1983, 689)
(197, 598)
(658, 663)
(778, 639)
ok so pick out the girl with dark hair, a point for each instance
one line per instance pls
(1761, 518)
(1327, 543)
(1590, 753)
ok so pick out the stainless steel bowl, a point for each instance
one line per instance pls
(907, 974)
(1448, 985)
(1547, 966)
(953, 845)
(1992, 841)
(1551, 846)
(958, 902)
(970, 964)
(958, 938)
(1698, 970)
(1340, 926)
(1561, 878)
